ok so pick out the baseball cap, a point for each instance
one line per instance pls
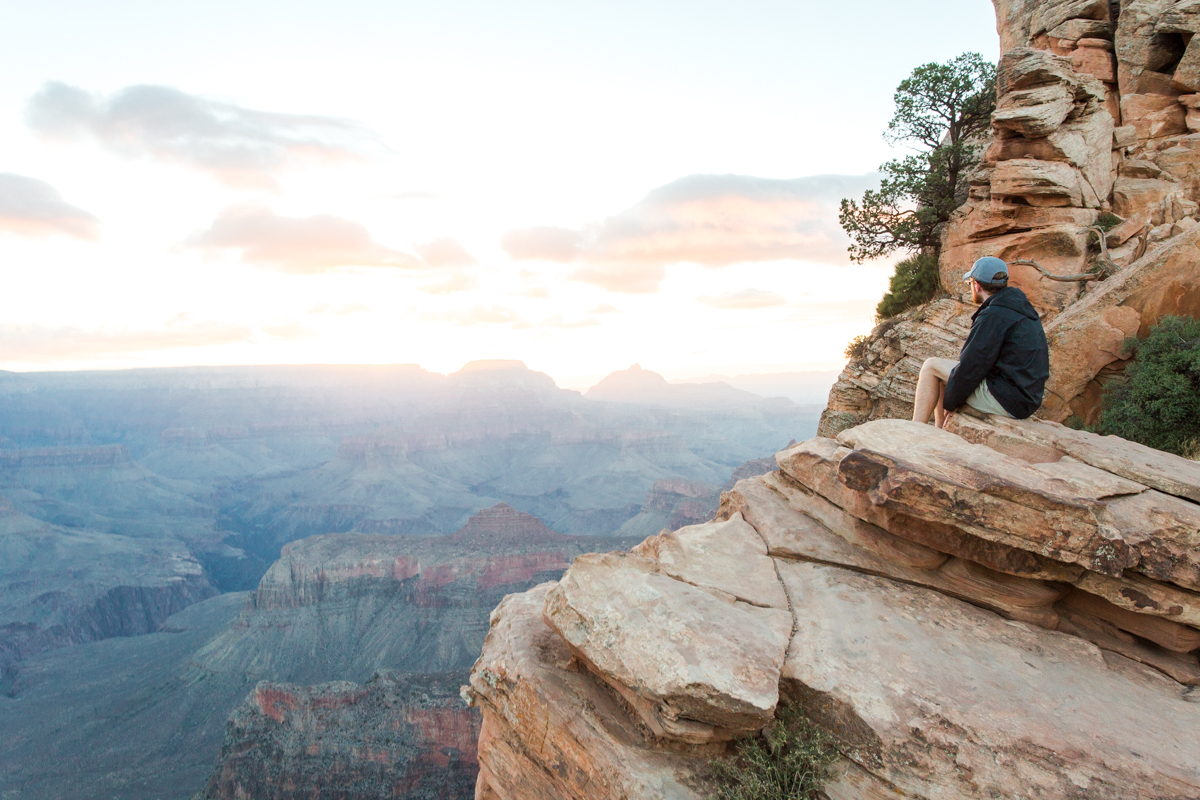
(988, 269)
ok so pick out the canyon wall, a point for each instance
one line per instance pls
(1098, 111)
(396, 736)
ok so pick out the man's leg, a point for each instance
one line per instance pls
(931, 386)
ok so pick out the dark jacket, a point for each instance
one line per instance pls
(1007, 348)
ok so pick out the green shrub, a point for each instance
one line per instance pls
(914, 282)
(857, 347)
(1158, 401)
(1107, 221)
(790, 761)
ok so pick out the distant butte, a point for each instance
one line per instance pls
(503, 524)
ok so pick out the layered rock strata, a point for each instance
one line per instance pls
(1098, 111)
(996, 611)
(396, 736)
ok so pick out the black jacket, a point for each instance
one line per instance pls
(1006, 347)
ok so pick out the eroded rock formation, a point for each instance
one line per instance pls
(1008, 609)
(1098, 110)
(396, 736)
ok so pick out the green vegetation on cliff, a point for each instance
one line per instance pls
(790, 761)
(1158, 402)
(943, 110)
(914, 282)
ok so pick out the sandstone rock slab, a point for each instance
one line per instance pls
(695, 666)
(949, 701)
(1166, 472)
(815, 464)
(773, 506)
(552, 732)
(729, 557)
(1040, 183)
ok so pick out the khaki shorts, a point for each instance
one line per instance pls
(983, 400)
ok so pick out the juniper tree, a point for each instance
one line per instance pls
(941, 110)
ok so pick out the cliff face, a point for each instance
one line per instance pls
(1011, 609)
(61, 587)
(1097, 111)
(396, 736)
(363, 608)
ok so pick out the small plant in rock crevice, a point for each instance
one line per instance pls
(790, 761)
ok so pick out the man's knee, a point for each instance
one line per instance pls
(939, 368)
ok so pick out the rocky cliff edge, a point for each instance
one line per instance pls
(1008, 609)
(1098, 112)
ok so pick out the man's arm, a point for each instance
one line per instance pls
(978, 355)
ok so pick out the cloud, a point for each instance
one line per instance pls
(32, 343)
(712, 220)
(33, 208)
(300, 245)
(481, 315)
(744, 299)
(237, 146)
(542, 244)
(414, 196)
(604, 308)
(445, 252)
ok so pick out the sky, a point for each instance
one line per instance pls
(576, 185)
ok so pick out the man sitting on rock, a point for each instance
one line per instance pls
(1002, 368)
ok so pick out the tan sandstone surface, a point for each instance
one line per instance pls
(1098, 110)
(971, 614)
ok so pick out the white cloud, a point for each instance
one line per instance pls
(300, 245)
(33, 208)
(235, 145)
(445, 252)
(712, 220)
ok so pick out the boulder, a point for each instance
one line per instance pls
(945, 700)
(695, 666)
(553, 732)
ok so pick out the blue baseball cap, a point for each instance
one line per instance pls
(988, 269)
